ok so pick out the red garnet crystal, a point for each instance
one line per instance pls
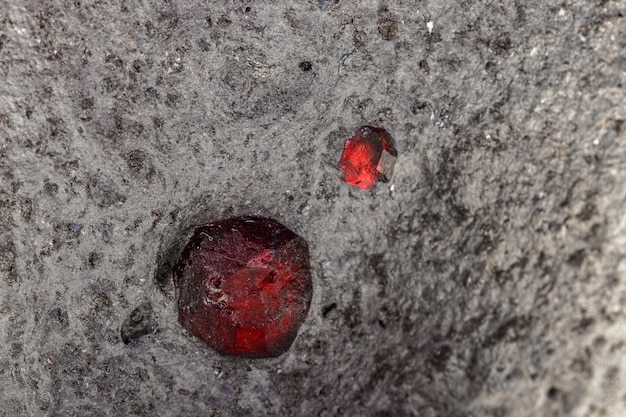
(244, 286)
(368, 156)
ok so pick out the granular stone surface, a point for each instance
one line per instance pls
(486, 279)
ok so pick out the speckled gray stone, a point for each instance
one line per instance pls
(486, 279)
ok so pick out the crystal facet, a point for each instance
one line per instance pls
(244, 286)
(368, 156)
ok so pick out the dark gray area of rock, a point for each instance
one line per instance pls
(486, 279)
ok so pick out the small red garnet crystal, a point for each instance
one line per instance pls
(244, 286)
(368, 156)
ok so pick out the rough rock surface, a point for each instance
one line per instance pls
(486, 279)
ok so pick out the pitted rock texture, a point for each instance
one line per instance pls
(486, 279)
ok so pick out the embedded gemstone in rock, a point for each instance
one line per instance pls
(368, 156)
(244, 286)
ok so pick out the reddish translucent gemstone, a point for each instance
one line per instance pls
(244, 286)
(368, 156)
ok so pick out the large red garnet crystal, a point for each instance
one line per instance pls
(368, 156)
(244, 286)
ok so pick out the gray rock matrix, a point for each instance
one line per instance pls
(486, 279)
